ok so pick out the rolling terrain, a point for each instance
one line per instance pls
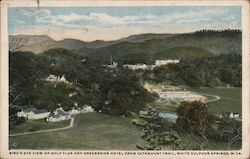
(209, 60)
(144, 48)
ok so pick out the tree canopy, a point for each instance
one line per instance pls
(193, 117)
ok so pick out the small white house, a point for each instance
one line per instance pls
(58, 115)
(220, 116)
(87, 108)
(33, 113)
(114, 65)
(83, 60)
(74, 111)
(63, 79)
(53, 78)
(72, 94)
(234, 115)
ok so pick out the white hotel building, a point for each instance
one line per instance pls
(165, 62)
(33, 113)
(182, 95)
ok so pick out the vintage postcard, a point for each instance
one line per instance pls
(124, 79)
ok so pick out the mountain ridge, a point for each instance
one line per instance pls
(33, 44)
(150, 44)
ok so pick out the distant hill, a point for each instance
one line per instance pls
(139, 48)
(183, 52)
(144, 37)
(40, 43)
(188, 45)
(32, 43)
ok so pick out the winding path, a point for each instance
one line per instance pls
(48, 130)
(211, 100)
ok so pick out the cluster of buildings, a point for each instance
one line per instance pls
(144, 66)
(165, 62)
(138, 66)
(165, 92)
(114, 65)
(33, 113)
(53, 78)
(234, 115)
(58, 115)
(161, 88)
(230, 115)
(182, 95)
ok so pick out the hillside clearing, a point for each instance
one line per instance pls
(230, 99)
(91, 131)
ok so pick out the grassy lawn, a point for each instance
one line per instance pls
(35, 125)
(165, 105)
(91, 131)
(193, 140)
(96, 131)
(230, 99)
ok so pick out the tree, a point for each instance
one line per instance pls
(230, 131)
(56, 69)
(124, 95)
(159, 133)
(14, 120)
(193, 117)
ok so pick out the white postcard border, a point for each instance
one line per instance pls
(5, 152)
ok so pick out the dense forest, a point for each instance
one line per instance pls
(92, 84)
(213, 71)
(195, 129)
(204, 43)
(207, 59)
(118, 90)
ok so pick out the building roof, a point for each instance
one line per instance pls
(62, 112)
(54, 115)
(58, 113)
(35, 110)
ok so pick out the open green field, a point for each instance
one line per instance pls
(35, 125)
(230, 99)
(165, 105)
(91, 131)
(97, 131)
(189, 139)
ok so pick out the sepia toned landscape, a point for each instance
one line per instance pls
(152, 78)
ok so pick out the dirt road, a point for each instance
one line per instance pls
(49, 130)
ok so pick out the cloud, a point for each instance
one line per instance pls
(44, 16)
(26, 12)
(230, 17)
(20, 22)
(105, 26)
(68, 20)
(193, 21)
(95, 32)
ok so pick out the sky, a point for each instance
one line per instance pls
(111, 23)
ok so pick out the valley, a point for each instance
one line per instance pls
(143, 83)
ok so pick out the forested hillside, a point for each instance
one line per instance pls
(90, 84)
(222, 70)
(190, 45)
(215, 42)
(207, 58)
